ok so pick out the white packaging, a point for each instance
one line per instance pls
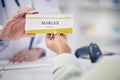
(37, 23)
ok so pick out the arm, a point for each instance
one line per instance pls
(27, 55)
(36, 52)
(66, 66)
(39, 42)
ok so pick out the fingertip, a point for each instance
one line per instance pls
(32, 12)
(35, 12)
(48, 35)
(55, 32)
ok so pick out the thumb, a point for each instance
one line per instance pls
(56, 35)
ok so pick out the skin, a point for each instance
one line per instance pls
(14, 28)
(57, 43)
(27, 55)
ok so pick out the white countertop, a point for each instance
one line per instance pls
(37, 70)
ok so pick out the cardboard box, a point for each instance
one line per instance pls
(37, 23)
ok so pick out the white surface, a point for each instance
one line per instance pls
(85, 64)
(36, 70)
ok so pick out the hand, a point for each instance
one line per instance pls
(57, 43)
(27, 55)
(15, 27)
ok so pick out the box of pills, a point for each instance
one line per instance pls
(38, 23)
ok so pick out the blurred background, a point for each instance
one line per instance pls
(96, 21)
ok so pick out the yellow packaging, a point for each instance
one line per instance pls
(37, 23)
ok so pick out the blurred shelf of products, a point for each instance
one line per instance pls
(96, 21)
(100, 4)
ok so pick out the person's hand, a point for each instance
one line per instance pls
(57, 43)
(15, 27)
(27, 55)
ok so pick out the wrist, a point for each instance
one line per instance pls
(64, 51)
(40, 51)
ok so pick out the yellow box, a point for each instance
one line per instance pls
(37, 23)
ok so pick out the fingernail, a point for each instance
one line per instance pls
(34, 12)
(55, 32)
(51, 36)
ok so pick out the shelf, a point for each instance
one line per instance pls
(99, 8)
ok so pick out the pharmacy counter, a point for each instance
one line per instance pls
(36, 70)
